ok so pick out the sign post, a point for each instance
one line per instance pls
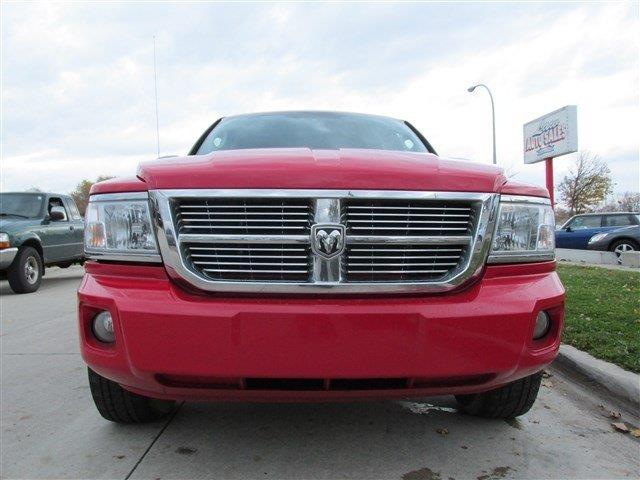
(548, 163)
(550, 136)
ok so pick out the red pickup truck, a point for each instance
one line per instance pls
(315, 256)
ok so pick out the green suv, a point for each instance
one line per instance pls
(37, 230)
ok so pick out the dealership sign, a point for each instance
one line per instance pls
(551, 135)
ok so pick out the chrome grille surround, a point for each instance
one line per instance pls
(331, 275)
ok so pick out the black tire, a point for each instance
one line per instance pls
(509, 401)
(25, 273)
(121, 406)
(632, 244)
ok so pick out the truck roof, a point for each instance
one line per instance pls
(48, 194)
(319, 112)
(590, 214)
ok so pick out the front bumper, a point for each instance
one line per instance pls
(175, 344)
(6, 257)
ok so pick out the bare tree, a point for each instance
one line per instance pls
(587, 183)
(81, 193)
(561, 214)
(627, 202)
(630, 202)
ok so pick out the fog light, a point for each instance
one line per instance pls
(103, 327)
(543, 323)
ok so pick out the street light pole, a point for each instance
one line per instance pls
(493, 115)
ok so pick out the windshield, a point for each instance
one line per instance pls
(315, 130)
(21, 205)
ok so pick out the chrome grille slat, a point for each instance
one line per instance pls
(413, 239)
(436, 264)
(377, 215)
(256, 264)
(438, 222)
(198, 255)
(400, 257)
(210, 212)
(257, 249)
(402, 250)
(393, 227)
(252, 271)
(243, 227)
(398, 272)
(231, 238)
(260, 240)
(257, 220)
(208, 207)
(361, 207)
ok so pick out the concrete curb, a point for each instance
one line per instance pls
(618, 382)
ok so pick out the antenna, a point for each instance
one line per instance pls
(155, 84)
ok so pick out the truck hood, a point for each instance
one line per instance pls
(11, 225)
(303, 168)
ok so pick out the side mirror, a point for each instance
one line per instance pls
(567, 229)
(57, 214)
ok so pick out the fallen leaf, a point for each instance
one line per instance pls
(620, 426)
(636, 432)
(614, 414)
(443, 431)
(546, 374)
(547, 383)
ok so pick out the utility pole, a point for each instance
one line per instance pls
(155, 84)
(493, 116)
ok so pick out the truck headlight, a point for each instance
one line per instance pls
(4, 240)
(525, 230)
(118, 227)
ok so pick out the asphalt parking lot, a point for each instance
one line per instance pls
(50, 428)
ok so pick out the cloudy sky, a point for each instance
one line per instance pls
(78, 94)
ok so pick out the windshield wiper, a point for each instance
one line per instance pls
(3, 214)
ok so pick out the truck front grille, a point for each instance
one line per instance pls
(251, 216)
(252, 261)
(370, 262)
(323, 240)
(385, 217)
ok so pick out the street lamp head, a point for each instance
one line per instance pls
(471, 89)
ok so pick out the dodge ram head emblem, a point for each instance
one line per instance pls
(327, 240)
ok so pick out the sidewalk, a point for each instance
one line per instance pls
(600, 265)
(620, 383)
(599, 258)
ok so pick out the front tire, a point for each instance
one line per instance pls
(620, 246)
(509, 401)
(25, 273)
(118, 405)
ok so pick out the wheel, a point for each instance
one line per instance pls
(623, 245)
(509, 401)
(121, 406)
(25, 273)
